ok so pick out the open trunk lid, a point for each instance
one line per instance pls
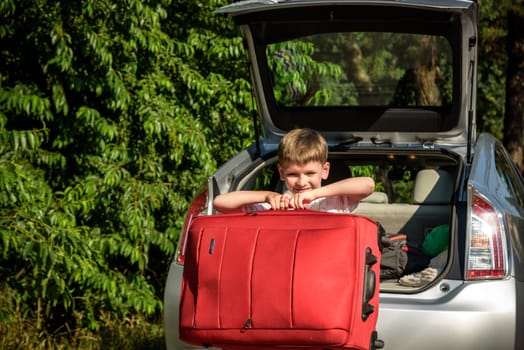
(375, 72)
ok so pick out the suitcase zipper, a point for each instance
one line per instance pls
(247, 325)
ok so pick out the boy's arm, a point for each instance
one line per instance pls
(234, 201)
(356, 188)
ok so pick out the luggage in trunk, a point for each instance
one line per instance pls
(281, 279)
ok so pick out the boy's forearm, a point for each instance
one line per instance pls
(234, 201)
(356, 187)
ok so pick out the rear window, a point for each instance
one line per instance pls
(370, 69)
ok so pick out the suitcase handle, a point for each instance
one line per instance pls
(370, 286)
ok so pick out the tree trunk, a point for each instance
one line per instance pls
(513, 119)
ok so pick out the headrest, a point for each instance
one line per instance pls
(433, 186)
(376, 197)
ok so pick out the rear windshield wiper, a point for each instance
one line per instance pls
(346, 143)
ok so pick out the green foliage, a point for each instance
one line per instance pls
(112, 113)
(21, 333)
(492, 66)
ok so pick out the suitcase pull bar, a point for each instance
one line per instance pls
(247, 325)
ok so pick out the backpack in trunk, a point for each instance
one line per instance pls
(394, 256)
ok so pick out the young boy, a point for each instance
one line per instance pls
(302, 165)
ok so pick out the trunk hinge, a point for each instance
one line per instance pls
(472, 124)
(255, 123)
(254, 116)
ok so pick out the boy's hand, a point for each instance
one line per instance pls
(302, 199)
(279, 201)
(290, 201)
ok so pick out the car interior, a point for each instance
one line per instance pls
(414, 191)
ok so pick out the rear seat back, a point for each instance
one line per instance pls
(432, 193)
(377, 198)
(433, 186)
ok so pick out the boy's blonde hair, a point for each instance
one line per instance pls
(301, 146)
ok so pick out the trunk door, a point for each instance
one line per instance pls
(370, 72)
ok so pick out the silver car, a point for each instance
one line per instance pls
(392, 86)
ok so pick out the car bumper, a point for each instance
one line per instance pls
(450, 315)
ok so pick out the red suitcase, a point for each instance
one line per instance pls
(282, 279)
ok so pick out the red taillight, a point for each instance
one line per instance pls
(486, 256)
(196, 207)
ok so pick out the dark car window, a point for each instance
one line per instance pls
(343, 69)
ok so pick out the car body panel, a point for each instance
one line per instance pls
(245, 7)
(501, 183)
(504, 188)
(451, 315)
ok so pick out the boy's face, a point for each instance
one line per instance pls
(303, 177)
